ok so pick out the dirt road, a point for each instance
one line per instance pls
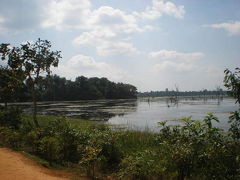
(15, 166)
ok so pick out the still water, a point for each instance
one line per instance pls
(151, 111)
(141, 113)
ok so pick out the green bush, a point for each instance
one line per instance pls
(10, 117)
(101, 151)
(142, 165)
(70, 139)
(50, 149)
(10, 138)
(31, 141)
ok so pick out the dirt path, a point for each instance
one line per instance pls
(15, 166)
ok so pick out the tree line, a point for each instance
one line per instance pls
(56, 88)
(202, 93)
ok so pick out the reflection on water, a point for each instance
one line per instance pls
(151, 111)
(99, 110)
(143, 113)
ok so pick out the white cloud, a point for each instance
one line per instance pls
(106, 28)
(67, 14)
(106, 43)
(174, 55)
(114, 19)
(109, 30)
(159, 8)
(87, 66)
(79, 14)
(232, 27)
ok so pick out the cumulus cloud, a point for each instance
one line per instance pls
(87, 66)
(106, 28)
(79, 14)
(159, 8)
(232, 27)
(108, 32)
(67, 13)
(106, 44)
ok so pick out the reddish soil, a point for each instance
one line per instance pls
(15, 166)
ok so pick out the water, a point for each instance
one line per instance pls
(141, 114)
(150, 112)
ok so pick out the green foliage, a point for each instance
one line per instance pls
(50, 148)
(142, 165)
(232, 82)
(198, 150)
(10, 138)
(10, 82)
(55, 88)
(101, 150)
(32, 141)
(10, 117)
(131, 141)
(234, 120)
(68, 137)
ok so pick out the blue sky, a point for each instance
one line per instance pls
(152, 44)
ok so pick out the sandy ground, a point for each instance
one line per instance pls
(15, 166)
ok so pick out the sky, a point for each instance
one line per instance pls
(152, 44)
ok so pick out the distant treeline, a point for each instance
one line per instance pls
(55, 88)
(203, 93)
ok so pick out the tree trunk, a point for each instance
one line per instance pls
(34, 107)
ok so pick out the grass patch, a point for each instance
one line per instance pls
(132, 141)
(75, 122)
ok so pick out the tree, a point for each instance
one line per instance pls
(232, 83)
(10, 81)
(11, 75)
(34, 60)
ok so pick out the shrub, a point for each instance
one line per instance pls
(50, 149)
(101, 151)
(69, 139)
(10, 138)
(234, 120)
(32, 141)
(142, 165)
(10, 117)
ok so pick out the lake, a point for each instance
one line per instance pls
(141, 113)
